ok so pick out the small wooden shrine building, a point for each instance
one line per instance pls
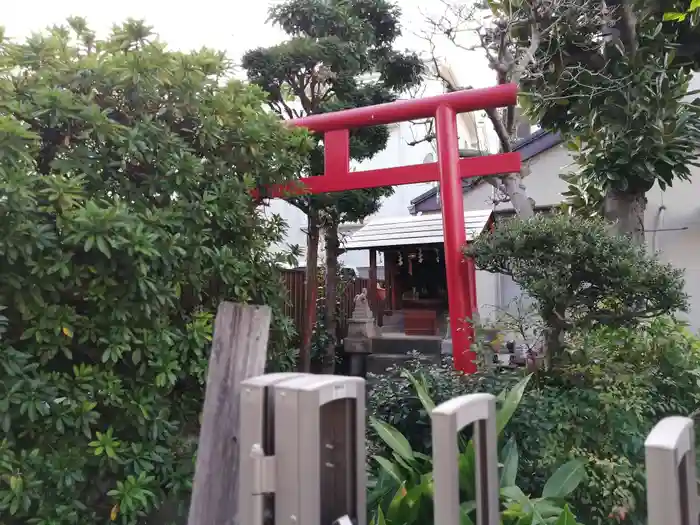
(413, 297)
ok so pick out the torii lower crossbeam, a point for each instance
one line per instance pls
(449, 170)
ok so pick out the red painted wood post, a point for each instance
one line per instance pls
(460, 271)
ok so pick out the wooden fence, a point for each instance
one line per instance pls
(296, 289)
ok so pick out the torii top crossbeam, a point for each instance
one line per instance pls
(448, 170)
(410, 109)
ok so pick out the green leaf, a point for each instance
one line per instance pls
(565, 479)
(390, 468)
(393, 512)
(103, 247)
(510, 404)
(566, 517)
(674, 16)
(421, 392)
(464, 510)
(547, 508)
(380, 517)
(393, 439)
(467, 472)
(468, 506)
(509, 460)
(514, 493)
(495, 6)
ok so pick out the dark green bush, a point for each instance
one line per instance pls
(393, 400)
(125, 218)
(599, 409)
(579, 275)
(402, 489)
(623, 381)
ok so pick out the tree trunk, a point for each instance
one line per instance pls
(626, 212)
(553, 336)
(551, 344)
(311, 280)
(332, 247)
(517, 193)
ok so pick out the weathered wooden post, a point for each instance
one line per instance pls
(447, 420)
(671, 477)
(361, 330)
(239, 351)
(320, 450)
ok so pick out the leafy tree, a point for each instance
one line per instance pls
(125, 218)
(579, 275)
(617, 99)
(610, 77)
(339, 55)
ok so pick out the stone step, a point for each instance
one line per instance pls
(401, 344)
(378, 363)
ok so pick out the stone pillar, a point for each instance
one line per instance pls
(361, 329)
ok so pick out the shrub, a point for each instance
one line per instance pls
(125, 218)
(393, 399)
(623, 381)
(402, 493)
(579, 275)
(599, 409)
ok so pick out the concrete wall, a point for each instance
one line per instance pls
(675, 211)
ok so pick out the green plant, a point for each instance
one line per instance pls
(599, 408)
(393, 399)
(125, 218)
(579, 274)
(403, 491)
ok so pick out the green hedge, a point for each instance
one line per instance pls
(125, 218)
(598, 408)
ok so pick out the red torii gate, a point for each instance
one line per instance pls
(449, 170)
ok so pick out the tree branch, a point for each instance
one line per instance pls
(528, 55)
(626, 24)
(500, 129)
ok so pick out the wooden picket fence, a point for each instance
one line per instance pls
(296, 290)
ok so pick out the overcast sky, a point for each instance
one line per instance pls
(234, 26)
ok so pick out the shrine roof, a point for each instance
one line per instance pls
(414, 230)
